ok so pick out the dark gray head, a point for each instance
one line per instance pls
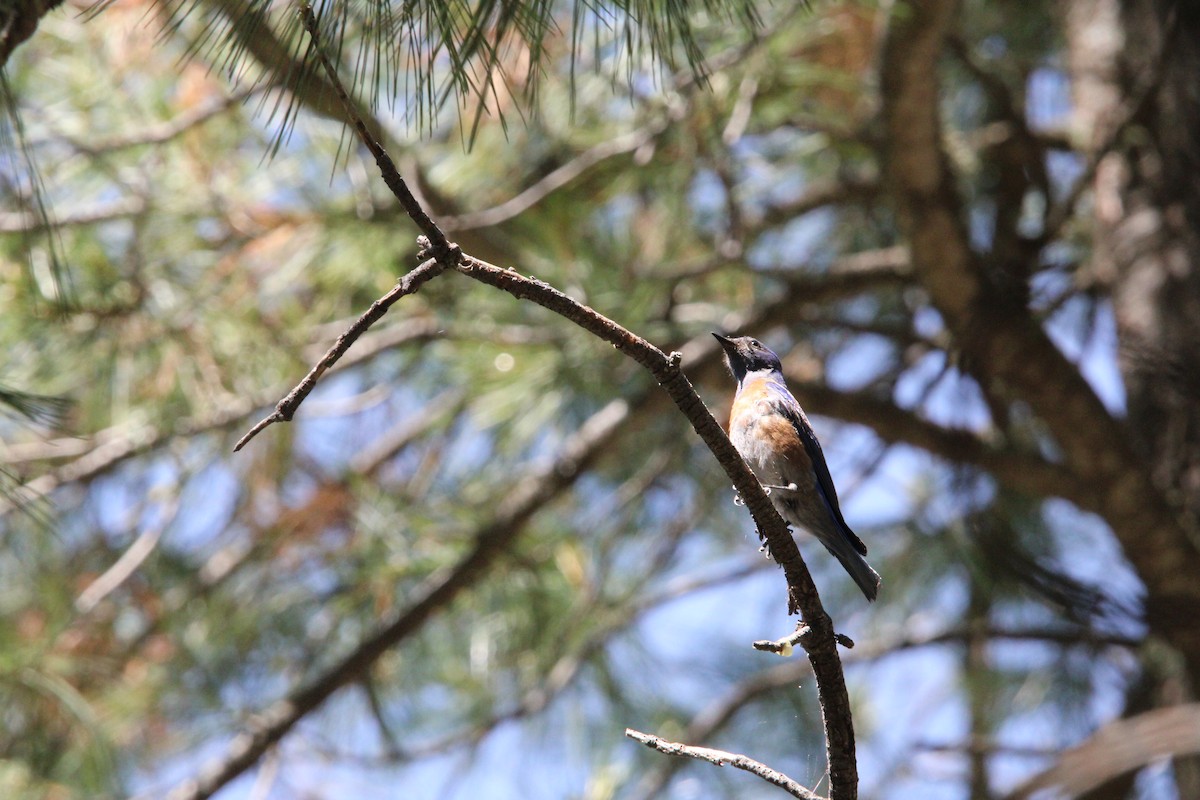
(745, 354)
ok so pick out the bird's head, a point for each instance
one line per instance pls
(745, 354)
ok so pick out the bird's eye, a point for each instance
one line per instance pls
(756, 343)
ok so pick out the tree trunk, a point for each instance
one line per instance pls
(1135, 68)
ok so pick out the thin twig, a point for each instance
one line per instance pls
(286, 408)
(785, 646)
(267, 774)
(444, 254)
(721, 758)
(92, 214)
(391, 176)
(712, 719)
(1122, 118)
(1057, 214)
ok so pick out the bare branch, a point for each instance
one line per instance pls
(286, 408)
(820, 195)
(1057, 215)
(721, 758)
(802, 594)
(717, 715)
(370, 458)
(442, 254)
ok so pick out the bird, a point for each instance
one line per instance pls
(769, 429)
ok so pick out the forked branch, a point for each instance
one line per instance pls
(439, 254)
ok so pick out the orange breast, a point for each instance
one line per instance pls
(761, 433)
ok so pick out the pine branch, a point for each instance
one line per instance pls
(440, 254)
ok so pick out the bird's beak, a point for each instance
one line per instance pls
(730, 347)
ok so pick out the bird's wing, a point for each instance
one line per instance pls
(791, 410)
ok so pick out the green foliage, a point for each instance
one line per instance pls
(417, 58)
(226, 251)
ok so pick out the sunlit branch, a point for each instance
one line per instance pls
(629, 142)
(977, 746)
(369, 459)
(558, 178)
(722, 758)
(568, 667)
(240, 552)
(421, 329)
(1058, 214)
(713, 719)
(286, 408)
(820, 195)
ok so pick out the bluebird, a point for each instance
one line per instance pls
(769, 429)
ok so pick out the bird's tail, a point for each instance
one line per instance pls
(844, 551)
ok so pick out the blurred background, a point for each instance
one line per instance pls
(1007, 404)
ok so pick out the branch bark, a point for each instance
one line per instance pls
(721, 758)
